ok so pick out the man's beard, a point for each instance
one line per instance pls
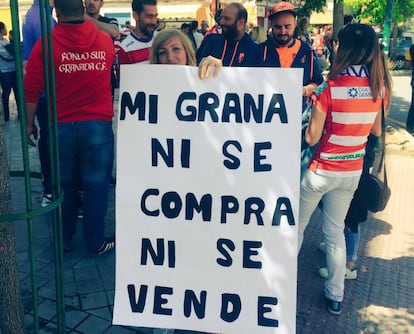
(230, 32)
(282, 42)
(144, 29)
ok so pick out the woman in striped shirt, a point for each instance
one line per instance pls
(347, 108)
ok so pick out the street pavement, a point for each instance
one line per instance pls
(381, 300)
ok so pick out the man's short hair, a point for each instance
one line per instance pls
(194, 25)
(138, 5)
(70, 8)
(185, 26)
(241, 11)
(348, 19)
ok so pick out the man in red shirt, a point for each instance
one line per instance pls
(135, 45)
(83, 58)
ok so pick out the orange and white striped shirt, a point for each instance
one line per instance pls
(351, 112)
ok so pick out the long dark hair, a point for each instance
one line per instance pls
(358, 45)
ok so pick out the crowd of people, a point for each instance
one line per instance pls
(338, 129)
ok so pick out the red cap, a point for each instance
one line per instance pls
(282, 7)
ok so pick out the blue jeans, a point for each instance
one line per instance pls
(337, 193)
(8, 81)
(352, 242)
(86, 154)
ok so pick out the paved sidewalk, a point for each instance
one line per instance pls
(381, 300)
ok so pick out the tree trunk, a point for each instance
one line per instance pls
(338, 17)
(11, 308)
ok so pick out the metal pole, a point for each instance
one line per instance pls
(53, 151)
(387, 26)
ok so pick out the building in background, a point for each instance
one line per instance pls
(174, 13)
(325, 17)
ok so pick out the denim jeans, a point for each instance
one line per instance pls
(8, 81)
(337, 193)
(352, 241)
(86, 153)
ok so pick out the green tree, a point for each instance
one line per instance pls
(372, 11)
(304, 10)
(310, 6)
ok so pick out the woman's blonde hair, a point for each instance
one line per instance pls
(164, 36)
(358, 45)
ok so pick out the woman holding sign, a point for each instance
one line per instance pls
(172, 47)
(347, 108)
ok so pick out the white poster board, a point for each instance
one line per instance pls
(207, 199)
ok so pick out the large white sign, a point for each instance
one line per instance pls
(207, 199)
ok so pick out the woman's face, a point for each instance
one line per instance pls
(172, 52)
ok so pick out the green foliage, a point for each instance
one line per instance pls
(373, 11)
(308, 7)
(311, 6)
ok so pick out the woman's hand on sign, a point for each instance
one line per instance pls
(209, 66)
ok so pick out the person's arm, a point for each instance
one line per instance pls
(109, 28)
(315, 127)
(30, 125)
(316, 77)
(308, 89)
(33, 82)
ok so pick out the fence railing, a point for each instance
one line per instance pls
(27, 174)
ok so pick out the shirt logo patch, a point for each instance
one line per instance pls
(303, 59)
(359, 92)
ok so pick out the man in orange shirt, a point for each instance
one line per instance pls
(284, 50)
